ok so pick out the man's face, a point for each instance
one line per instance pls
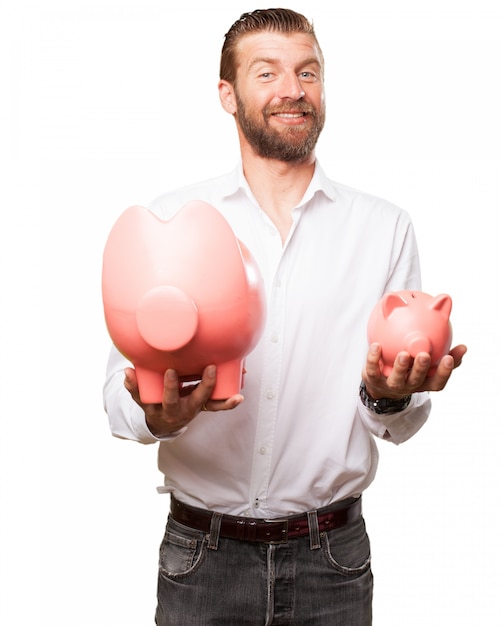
(279, 93)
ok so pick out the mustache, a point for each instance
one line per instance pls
(291, 107)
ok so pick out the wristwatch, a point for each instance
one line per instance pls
(383, 406)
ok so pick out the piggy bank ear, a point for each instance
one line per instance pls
(167, 318)
(442, 303)
(392, 301)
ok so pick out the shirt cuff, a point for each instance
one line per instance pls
(144, 434)
(170, 437)
(401, 426)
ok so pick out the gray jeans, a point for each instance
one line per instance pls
(324, 579)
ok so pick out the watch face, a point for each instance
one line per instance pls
(385, 405)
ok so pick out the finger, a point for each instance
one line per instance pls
(130, 381)
(372, 364)
(458, 353)
(202, 393)
(419, 370)
(223, 405)
(444, 370)
(170, 395)
(208, 381)
(400, 370)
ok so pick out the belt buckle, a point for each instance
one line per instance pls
(285, 530)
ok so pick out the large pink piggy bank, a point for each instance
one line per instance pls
(182, 294)
(412, 321)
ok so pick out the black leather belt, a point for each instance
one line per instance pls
(267, 531)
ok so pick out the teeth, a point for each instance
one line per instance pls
(290, 114)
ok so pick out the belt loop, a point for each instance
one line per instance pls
(314, 531)
(215, 528)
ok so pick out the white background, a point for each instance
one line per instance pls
(108, 103)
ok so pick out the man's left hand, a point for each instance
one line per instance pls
(408, 376)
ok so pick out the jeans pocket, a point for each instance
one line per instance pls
(181, 550)
(347, 549)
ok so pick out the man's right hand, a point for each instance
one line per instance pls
(177, 410)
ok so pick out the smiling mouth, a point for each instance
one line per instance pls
(290, 115)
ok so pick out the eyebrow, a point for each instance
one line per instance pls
(276, 61)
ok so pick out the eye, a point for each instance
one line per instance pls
(307, 75)
(266, 76)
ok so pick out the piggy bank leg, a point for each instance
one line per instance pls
(386, 369)
(151, 385)
(228, 379)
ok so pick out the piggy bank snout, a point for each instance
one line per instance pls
(417, 342)
(167, 317)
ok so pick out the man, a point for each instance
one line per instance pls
(266, 524)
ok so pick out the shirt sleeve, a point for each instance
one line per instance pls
(401, 426)
(405, 273)
(127, 419)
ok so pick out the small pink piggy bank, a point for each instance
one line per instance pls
(182, 294)
(412, 321)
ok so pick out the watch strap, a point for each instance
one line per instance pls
(383, 406)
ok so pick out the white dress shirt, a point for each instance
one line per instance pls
(301, 439)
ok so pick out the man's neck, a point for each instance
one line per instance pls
(278, 186)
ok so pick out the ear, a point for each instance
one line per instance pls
(442, 303)
(392, 301)
(227, 97)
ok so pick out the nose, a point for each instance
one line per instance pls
(290, 88)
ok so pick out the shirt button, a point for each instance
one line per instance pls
(274, 338)
(263, 450)
(270, 394)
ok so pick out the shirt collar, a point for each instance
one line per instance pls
(235, 182)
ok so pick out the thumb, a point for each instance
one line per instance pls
(130, 381)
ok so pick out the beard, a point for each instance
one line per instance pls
(292, 144)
